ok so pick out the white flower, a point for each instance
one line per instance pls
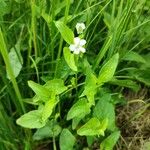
(80, 27)
(77, 47)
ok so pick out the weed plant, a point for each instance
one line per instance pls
(64, 65)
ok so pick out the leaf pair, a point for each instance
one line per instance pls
(47, 95)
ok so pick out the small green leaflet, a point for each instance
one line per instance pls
(90, 87)
(76, 120)
(69, 58)
(110, 141)
(105, 109)
(107, 71)
(79, 109)
(66, 33)
(93, 127)
(40, 91)
(56, 86)
(31, 120)
(51, 129)
(48, 108)
(67, 140)
(48, 90)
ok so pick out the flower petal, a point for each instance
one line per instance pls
(77, 51)
(82, 49)
(82, 42)
(76, 40)
(72, 47)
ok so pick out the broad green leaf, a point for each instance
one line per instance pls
(110, 141)
(67, 140)
(66, 33)
(76, 120)
(90, 87)
(51, 129)
(16, 60)
(41, 91)
(31, 120)
(93, 127)
(133, 56)
(107, 71)
(105, 109)
(48, 108)
(69, 58)
(126, 83)
(56, 86)
(63, 70)
(79, 109)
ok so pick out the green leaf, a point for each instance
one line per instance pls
(4, 7)
(48, 108)
(46, 17)
(69, 58)
(63, 70)
(133, 56)
(105, 109)
(66, 33)
(93, 127)
(143, 76)
(110, 141)
(56, 86)
(107, 71)
(79, 109)
(16, 60)
(31, 120)
(75, 121)
(90, 87)
(51, 129)
(42, 92)
(67, 140)
(126, 83)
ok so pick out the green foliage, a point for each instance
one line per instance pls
(49, 130)
(90, 87)
(66, 33)
(133, 56)
(107, 71)
(93, 127)
(31, 120)
(105, 109)
(42, 92)
(79, 109)
(69, 97)
(110, 141)
(16, 60)
(67, 140)
(70, 59)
